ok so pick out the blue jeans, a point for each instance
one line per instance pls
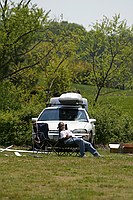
(83, 145)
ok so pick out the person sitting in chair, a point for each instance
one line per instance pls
(70, 138)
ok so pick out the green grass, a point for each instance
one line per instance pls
(66, 177)
(120, 98)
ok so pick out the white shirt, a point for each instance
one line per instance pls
(66, 134)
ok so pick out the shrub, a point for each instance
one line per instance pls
(16, 126)
(112, 125)
(12, 129)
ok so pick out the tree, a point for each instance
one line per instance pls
(22, 29)
(109, 51)
(31, 43)
(57, 70)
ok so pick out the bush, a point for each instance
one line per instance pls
(9, 96)
(13, 130)
(112, 125)
(16, 126)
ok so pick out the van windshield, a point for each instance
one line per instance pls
(67, 114)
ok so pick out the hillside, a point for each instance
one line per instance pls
(121, 98)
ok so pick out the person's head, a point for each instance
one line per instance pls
(61, 126)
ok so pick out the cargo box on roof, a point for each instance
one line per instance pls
(73, 99)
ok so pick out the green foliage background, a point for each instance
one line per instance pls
(40, 59)
(113, 123)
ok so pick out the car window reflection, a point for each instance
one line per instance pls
(63, 114)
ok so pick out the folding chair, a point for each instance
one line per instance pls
(41, 140)
(66, 149)
(60, 148)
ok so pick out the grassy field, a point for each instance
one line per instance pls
(120, 98)
(66, 177)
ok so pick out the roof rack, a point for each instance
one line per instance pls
(69, 99)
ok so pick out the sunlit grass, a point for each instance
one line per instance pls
(66, 177)
(120, 98)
